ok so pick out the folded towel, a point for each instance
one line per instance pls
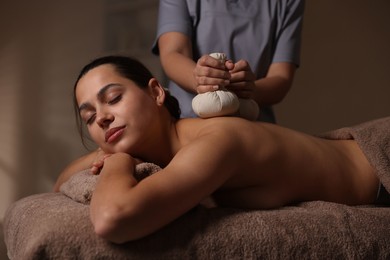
(373, 138)
(81, 185)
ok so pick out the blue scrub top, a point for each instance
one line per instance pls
(261, 32)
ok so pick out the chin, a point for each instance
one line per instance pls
(121, 149)
(122, 146)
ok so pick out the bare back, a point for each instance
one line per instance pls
(263, 165)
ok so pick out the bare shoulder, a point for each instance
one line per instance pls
(210, 134)
(220, 144)
(191, 129)
(209, 146)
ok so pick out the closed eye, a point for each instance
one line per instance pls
(115, 100)
(90, 119)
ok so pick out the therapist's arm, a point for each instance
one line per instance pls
(176, 59)
(207, 74)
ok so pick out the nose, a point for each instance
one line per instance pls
(104, 119)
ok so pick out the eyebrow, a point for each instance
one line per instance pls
(99, 95)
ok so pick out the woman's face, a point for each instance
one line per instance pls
(117, 112)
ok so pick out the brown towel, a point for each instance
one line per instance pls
(373, 138)
(80, 186)
(54, 226)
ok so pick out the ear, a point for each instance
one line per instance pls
(157, 91)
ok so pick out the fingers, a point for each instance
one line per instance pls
(242, 70)
(208, 61)
(98, 164)
(242, 80)
(95, 170)
(229, 65)
(211, 74)
(137, 160)
(241, 65)
(206, 88)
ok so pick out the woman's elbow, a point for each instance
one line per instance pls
(110, 236)
(112, 226)
(105, 224)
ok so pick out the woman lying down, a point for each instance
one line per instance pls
(240, 163)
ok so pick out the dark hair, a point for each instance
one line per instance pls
(131, 69)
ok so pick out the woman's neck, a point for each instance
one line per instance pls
(165, 145)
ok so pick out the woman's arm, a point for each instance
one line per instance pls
(124, 210)
(115, 182)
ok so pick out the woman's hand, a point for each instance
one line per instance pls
(83, 163)
(210, 74)
(98, 163)
(242, 80)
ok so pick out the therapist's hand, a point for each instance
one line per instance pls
(242, 80)
(210, 74)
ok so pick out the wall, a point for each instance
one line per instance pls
(42, 46)
(344, 77)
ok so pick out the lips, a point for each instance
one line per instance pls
(114, 133)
